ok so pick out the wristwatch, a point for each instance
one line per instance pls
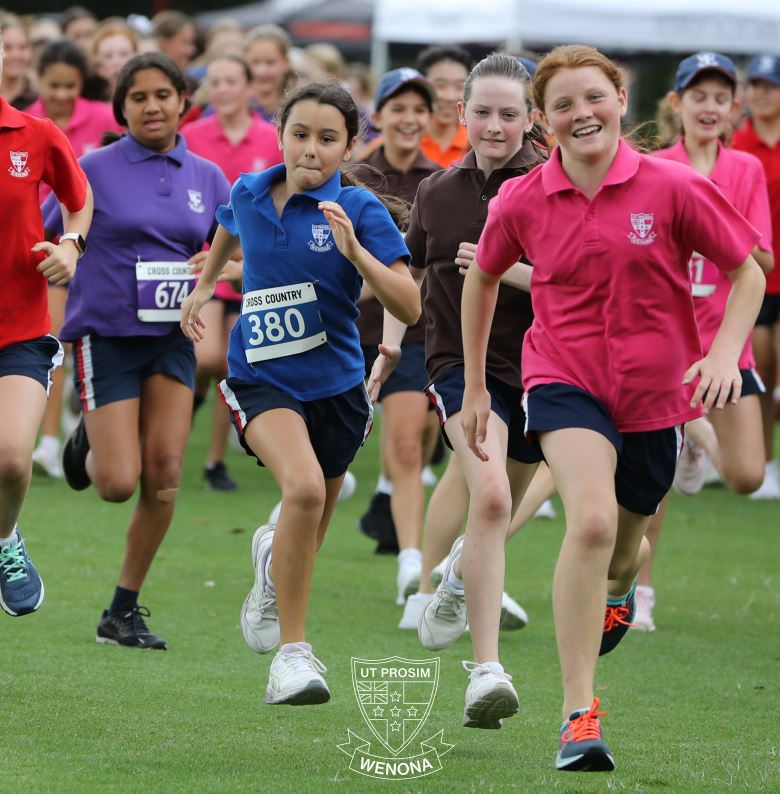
(80, 242)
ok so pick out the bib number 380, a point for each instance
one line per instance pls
(281, 321)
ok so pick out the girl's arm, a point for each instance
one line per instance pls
(478, 305)
(765, 259)
(222, 246)
(719, 370)
(59, 267)
(393, 285)
(518, 276)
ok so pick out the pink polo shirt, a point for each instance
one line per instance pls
(610, 287)
(256, 151)
(740, 177)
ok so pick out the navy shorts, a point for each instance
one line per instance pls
(645, 461)
(232, 306)
(446, 394)
(337, 425)
(34, 358)
(409, 375)
(107, 369)
(751, 382)
(770, 310)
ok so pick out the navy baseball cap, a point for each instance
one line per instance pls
(395, 81)
(700, 62)
(530, 66)
(765, 67)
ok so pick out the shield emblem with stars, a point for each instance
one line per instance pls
(395, 696)
(320, 232)
(642, 223)
(18, 161)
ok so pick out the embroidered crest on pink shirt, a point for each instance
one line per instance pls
(643, 225)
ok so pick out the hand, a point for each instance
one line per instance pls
(341, 228)
(474, 414)
(717, 378)
(386, 362)
(191, 324)
(59, 267)
(465, 256)
(233, 270)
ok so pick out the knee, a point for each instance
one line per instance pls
(162, 472)
(596, 527)
(14, 467)
(304, 493)
(115, 486)
(491, 502)
(405, 453)
(744, 481)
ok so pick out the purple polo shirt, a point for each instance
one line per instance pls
(148, 207)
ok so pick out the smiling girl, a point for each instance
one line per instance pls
(295, 367)
(610, 360)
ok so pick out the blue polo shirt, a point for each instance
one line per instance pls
(299, 248)
(149, 207)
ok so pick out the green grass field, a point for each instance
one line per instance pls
(692, 707)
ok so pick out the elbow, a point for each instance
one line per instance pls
(411, 311)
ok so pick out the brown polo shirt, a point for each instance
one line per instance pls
(377, 173)
(451, 207)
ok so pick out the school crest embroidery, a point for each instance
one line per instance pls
(18, 164)
(643, 233)
(704, 59)
(766, 64)
(320, 232)
(195, 202)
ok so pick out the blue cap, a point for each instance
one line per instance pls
(396, 80)
(530, 66)
(700, 62)
(765, 67)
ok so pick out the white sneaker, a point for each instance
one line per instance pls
(444, 619)
(645, 601)
(428, 478)
(711, 476)
(347, 487)
(407, 579)
(546, 510)
(273, 518)
(437, 574)
(295, 677)
(259, 618)
(413, 609)
(490, 697)
(770, 488)
(689, 474)
(47, 460)
(513, 616)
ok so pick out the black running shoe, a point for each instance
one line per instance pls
(74, 458)
(218, 477)
(377, 523)
(128, 628)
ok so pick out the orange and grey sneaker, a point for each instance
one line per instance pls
(618, 620)
(582, 748)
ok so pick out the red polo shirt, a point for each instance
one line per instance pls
(747, 140)
(31, 151)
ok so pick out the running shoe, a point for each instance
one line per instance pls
(618, 619)
(74, 458)
(259, 618)
(582, 748)
(21, 588)
(218, 477)
(128, 629)
(407, 579)
(689, 474)
(513, 616)
(645, 601)
(296, 677)
(413, 609)
(545, 510)
(377, 523)
(770, 487)
(444, 619)
(46, 460)
(490, 697)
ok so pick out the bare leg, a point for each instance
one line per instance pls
(652, 534)
(741, 441)
(51, 418)
(220, 416)
(539, 491)
(766, 364)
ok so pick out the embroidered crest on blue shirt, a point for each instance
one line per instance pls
(320, 232)
(18, 164)
(196, 200)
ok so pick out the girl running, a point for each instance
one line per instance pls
(610, 361)
(295, 368)
(704, 100)
(39, 152)
(452, 205)
(134, 370)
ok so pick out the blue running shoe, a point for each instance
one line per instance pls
(21, 588)
(582, 748)
(618, 619)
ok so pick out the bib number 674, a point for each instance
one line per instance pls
(171, 294)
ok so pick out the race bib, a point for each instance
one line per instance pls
(704, 276)
(281, 321)
(162, 288)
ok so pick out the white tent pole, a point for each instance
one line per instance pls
(380, 56)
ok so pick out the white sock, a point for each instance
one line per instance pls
(50, 444)
(12, 538)
(410, 557)
(290, 647)
(383, 485)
